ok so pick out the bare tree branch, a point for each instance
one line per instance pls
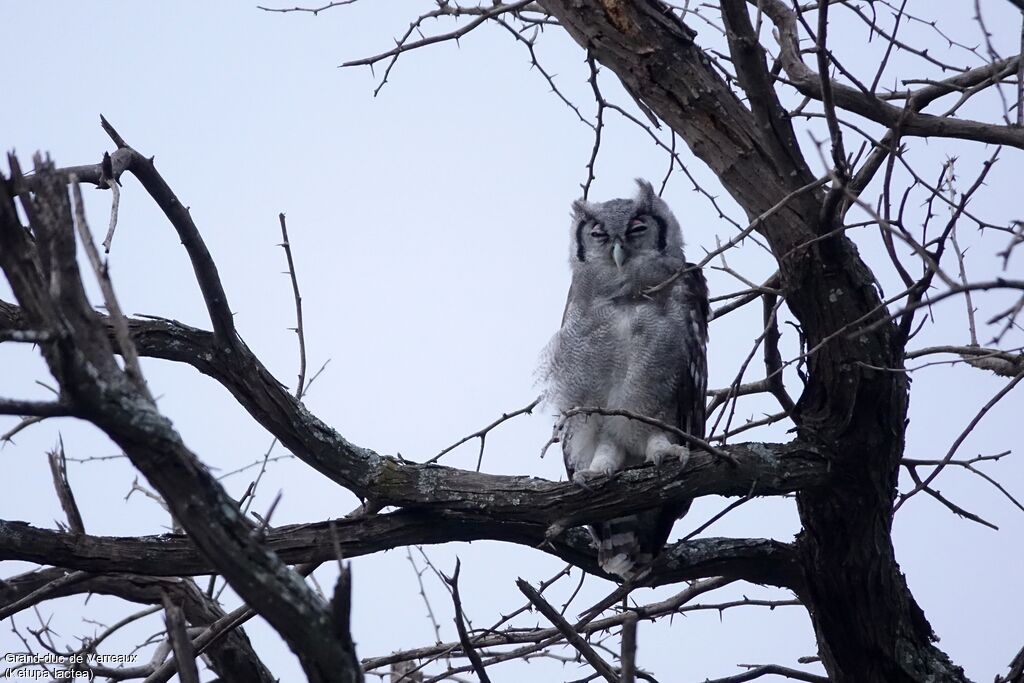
(567, 630)
(184, 654)
(59, 470)
(83, 363)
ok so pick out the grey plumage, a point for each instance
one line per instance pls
(629, 341)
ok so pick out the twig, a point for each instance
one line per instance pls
(217, 630)
(744, 233)
(968, 302)
(566, 629)
(628, 657)
(745, 297)
(423, 595)
(575, 592)
(750, 424)
(969, 466)
(671, 165)
(772, 357)
(115, 191)
(619, 594)
(41, 593)
(688, 438)
(300, 387)
(717, 516)
(985, 285)
(959, 440)
(953, 507)
(535, 63)
(117, 317)
(448, 649)
(670, 150)
(1020, 73)
(599, 127)
(430, 40)
(482, 433)
(264, 521)
(770, 670)
(92, 643)
(770, 314)
(492, 637)
(312, 10)
(467, 646)
(888, 48)
(824, 57)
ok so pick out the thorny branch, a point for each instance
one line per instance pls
(300, 331)
(482, 433)
(438, 504)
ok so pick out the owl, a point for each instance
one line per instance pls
(633, 338)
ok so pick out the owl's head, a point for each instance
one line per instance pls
(614, 232)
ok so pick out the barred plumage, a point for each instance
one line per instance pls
(633, 337)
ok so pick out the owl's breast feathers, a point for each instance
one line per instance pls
(658, 284)
(633, 338)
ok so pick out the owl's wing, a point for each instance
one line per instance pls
(569, 301)
(691, 290)
(570, 469)
(571, 304)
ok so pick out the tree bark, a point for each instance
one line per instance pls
(43, 272)
(868, 626)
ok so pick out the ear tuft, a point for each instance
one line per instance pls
(645, 193)
(581, 208)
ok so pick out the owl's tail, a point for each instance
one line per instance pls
(619, 545)
(626, 545)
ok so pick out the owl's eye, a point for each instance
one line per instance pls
(636, 227)
(598, 233)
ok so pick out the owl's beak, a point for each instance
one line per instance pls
(618, 254)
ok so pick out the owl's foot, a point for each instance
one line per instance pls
(582, 478)
(659, 448)
(608, 459)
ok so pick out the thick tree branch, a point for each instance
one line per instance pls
(232, 657)
(754, 560)
(44, 275)
(35, 408)
(909, 120)
(748, 57)
(179, 216)
(770, 469)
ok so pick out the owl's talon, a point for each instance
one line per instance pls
(684, 455)
(656, 458)
(582, 479)
(659, 454)
(659, 448)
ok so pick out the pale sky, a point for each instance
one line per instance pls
(430, 227)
